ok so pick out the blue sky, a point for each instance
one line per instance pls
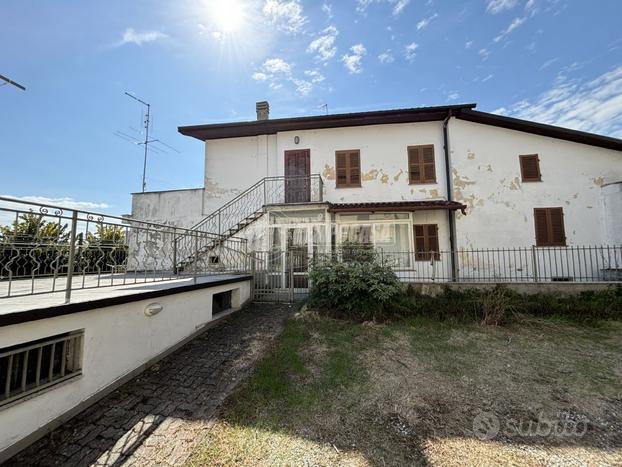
(204, 61)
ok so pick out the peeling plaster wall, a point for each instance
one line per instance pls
(178, 208)
(384, 159)
(486, 176)
(233, 165)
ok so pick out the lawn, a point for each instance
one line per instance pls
(421, 392)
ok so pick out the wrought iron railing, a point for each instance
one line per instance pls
(247, 207)
(285, 273)
(267, 191)
(46, 248)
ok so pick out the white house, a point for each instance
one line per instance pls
(409, 181)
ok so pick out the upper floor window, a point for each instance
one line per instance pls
(421, 164)
(348, 164)
(530, 168)
(549, 225)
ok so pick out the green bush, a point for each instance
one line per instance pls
(360, 290)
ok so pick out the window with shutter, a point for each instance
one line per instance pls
(348, 168)
(549, 226)
(421, 164)
(530, 168)
(426, 242)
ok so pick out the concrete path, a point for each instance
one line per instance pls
(161, 416)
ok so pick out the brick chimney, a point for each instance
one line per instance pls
(263, 110)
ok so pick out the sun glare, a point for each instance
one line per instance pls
(228, 15)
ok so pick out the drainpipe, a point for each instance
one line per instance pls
(451, 215)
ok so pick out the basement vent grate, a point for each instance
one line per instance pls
(36, 365)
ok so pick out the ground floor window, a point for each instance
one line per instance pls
(426, 242)
(391, 240)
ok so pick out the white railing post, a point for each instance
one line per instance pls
(72, 253)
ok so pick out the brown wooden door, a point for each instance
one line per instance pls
(297, 176)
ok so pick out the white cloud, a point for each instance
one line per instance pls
(303, 87)
(484, 53)
(324, 46)
(410, 51)
(64, 202)
(276, 72)
(398, 5)
(273, 70)
(516, 22)
(425, 21)
(530, 5)
(130, 36)
(487, 78)
(548, 63)
(354, 61)
(452, 96)
(386, 57)
(328, 9)
(276, 65)
(315, 76)
(594, 106)
(285, 15)
(468, 44)
(259, 76)
(497, 6)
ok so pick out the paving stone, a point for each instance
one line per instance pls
(159, 417)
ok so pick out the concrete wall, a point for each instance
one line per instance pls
(117, 340)
(611, 195)
(486, 176)
(178, 208)
(234, 164)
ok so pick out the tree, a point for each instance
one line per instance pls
(112, 235)
(33, 228)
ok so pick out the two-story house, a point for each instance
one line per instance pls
(411, 182)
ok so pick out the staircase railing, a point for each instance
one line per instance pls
(248, 205)
(267, 191)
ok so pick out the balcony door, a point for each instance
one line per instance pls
(297, 176)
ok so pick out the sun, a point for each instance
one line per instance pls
(227, 15)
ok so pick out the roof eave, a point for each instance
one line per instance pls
(541, 129)
(264, 127)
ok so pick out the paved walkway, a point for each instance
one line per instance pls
(160, 417)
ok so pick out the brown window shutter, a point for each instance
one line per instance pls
(421, 164)
(342, 168)
(549, 225)
(530, 168)
(348, 168)
(355, 168)
(426, 242)
(558, 236)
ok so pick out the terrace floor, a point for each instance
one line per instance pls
(87, 288)
(160, 417)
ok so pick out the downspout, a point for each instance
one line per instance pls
(451, 215)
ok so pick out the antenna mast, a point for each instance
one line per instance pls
(146, 142)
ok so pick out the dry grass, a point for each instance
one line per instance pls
(338, 393)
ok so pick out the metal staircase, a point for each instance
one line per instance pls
(246, 208)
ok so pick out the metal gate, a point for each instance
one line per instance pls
(280, 276)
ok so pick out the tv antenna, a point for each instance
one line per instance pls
(325, 107)
(10, 81)
(146, 122)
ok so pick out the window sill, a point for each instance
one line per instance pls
(431, 182)
(339, 187)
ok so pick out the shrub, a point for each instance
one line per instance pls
(499, 305)
(495, 305)
(360, 290)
